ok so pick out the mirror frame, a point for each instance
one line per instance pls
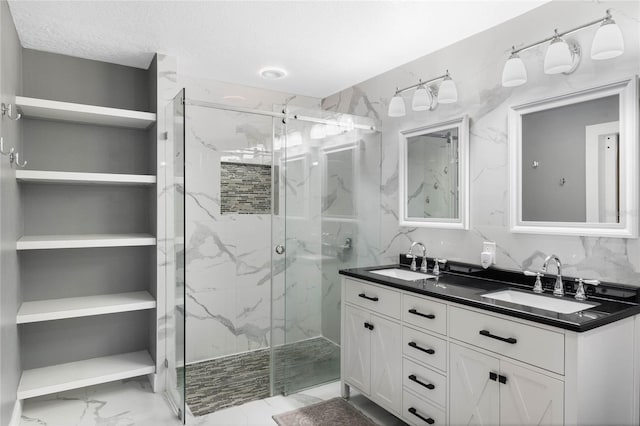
(462, 222)
(627, 90)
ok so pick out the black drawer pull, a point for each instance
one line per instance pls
(502, 379)
(429, 386)
(414, 312)
(493, 376)
(415, 346)
(368, 325)
(429, 420)
(509, 340)
(364, 296)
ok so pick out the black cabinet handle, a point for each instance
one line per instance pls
(368, 325)
(364, 296)
(429, 386)
(502, 379)
(493, 376)
(414, 312)
(429, 420)
(509, 340)
(415, 346)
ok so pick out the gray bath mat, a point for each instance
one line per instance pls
(333, 412)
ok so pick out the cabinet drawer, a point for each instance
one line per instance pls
(424, 348)
(377, 299)
(533, 345)
(425, 313)
(424, 382)
(418, 412)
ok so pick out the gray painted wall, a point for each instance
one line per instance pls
(10, 219)
(68, 79)
(57, 342)
(556, 139)
(47, 274)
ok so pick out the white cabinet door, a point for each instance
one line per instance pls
(474, 396)
(357, 349)
(530, 398)
(386, 363)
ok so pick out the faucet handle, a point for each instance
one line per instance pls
(436, 265)
(537, 288)
(413, 261)
(580, 293)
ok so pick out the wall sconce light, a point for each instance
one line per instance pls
(425, 97)
(563, 56)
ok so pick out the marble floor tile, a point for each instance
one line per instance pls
(132, 403)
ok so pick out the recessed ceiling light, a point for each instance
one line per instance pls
(272, 73)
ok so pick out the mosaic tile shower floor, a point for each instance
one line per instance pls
(234, 380)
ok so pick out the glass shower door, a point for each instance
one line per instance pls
(315, 229)
(175, 253)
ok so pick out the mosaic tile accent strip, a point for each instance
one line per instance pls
(234, 380)
(245, 188)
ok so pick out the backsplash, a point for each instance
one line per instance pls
(476, 66)
(245, 188)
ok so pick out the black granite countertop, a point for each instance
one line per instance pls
(466, 284)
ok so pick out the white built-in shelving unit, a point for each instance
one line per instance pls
(79, 113)
(47, 242)
(66, 376)
(78, 374)
(44, 176)
(75, 307)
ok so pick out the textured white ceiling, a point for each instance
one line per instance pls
(325, 46)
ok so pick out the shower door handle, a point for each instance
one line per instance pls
(280, 249)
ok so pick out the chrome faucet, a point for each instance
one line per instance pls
(558, 289)
(410, 255)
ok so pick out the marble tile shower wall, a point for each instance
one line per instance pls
(476, 65)
(228, 257)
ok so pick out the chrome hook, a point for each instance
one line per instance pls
(2, 148)
(15, 156)
(7, 109)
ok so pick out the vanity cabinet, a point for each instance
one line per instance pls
(434, 361)
(486, 390)
(372, 361)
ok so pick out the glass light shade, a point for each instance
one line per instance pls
(396, 107)
(608, 42)
(318, 131)
(421, 99)
(447, 93)
(558, 58)
(514, 73)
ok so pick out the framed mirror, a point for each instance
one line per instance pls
(434, 175)
(573, 163)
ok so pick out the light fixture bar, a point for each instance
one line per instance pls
(564, 33)
(422, 83)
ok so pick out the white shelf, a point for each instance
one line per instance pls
(43, 242)
(80, 113)
(74, 307)
(74, 375)
(42, 176)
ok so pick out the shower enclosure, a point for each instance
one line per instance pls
(268, 207)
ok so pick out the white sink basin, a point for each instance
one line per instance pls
(549, 303)
(403, 274)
